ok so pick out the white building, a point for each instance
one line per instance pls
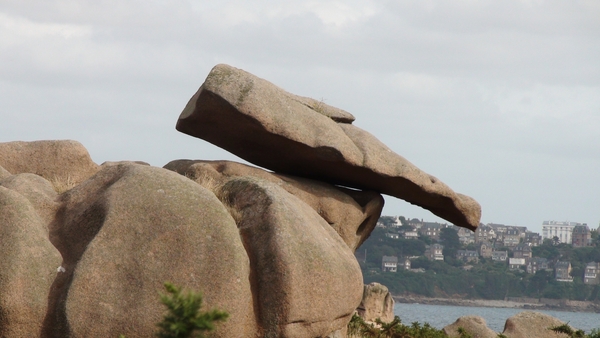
(562, 230)
(389, 263)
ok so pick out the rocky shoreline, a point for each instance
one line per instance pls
(534, 304)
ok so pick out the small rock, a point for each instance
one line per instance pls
(377, 302)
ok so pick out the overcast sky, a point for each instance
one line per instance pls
(498, 99)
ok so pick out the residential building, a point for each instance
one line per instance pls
(499, 229)
(467, 255)
(389, 264)
(592, 273)
(533, 238)
(561, 230)
(581, 236)
(411, 235)
(516, 263)
(522, 251)
(431, 229)
(536, 264)
(511, 237)
(485, 249)
(434, 252)
(465, 236)
(499, 256)
(562, 271)
(485, 233)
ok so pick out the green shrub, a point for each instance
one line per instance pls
(184, 318)
(358, 328)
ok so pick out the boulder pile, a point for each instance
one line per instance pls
(86, 247)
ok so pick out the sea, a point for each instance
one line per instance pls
(439, 316)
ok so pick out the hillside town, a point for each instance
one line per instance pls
(507, 244)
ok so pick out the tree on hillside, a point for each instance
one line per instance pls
(403, 220)
(555, 240)
(450, 241)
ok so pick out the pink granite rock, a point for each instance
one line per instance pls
(274, 129)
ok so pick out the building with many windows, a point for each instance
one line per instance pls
(536, 264)
(522, 251)
(582, 236)
(467, 255)
(533, 238)
(434, 252)
(431, 229)
(499, 256)
(562, 230)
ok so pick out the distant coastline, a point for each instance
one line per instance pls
(525, 304)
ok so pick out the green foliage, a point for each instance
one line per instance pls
(184, 318)
(566, 329)
(358, 328)
(463, 333)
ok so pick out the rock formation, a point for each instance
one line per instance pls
(377, 302)
(526, 324)
(85, 248)
(529, 324)
(474, 325)
(57, 161)
(269, 127)
(353, 214)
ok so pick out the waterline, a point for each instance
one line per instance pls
(439, 316)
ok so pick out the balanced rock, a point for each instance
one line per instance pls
(65, 162)
(529, 324)
(376, 303)
(269, 127)
(475, 326)
(353, 214)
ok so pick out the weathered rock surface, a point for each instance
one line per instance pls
(38, 191)
(351, 213)
(28, 265)
(62, 161)
(473, 325)
(307, 282)
(529, 324)
(377, 302)
(4, 173)
(269, 127)
(126, 231)
(254, 249)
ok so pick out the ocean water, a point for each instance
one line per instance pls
(439, 316)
